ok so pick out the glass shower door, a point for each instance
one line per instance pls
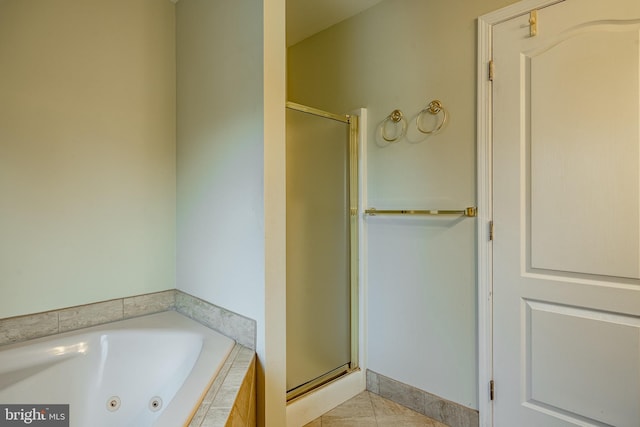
(321, 226)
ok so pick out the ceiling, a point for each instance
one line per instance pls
(307, 17)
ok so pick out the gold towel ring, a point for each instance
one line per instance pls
(396, 117)
(435, 107)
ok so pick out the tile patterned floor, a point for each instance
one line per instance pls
(370, 410)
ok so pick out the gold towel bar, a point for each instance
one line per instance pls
(470, 212)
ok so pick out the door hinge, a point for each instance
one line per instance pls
(533, 23)
(492, 390)
(490, 230)
(492, 70)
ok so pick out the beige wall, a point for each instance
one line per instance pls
(230, 211)
(87, 151)
(272, 370)
(220, 153)
(421, 272)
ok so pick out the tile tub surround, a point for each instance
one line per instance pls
(240, 328)
(231, 398)
(235, 326)
(30, 326)
(445, 411)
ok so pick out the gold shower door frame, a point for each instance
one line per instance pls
(353, 123)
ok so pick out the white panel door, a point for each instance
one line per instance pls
(566, 201)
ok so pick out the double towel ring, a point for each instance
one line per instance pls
(397, 121)
(434, 108)
(396, 117)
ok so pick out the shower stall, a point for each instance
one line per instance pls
(322, 247)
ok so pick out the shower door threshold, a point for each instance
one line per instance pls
(319, 382)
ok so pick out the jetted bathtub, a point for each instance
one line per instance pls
(146, 371)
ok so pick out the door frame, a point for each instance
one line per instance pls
(484, 159)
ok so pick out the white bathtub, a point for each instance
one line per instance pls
(147, 371)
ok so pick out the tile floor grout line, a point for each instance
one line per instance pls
(372, 410)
